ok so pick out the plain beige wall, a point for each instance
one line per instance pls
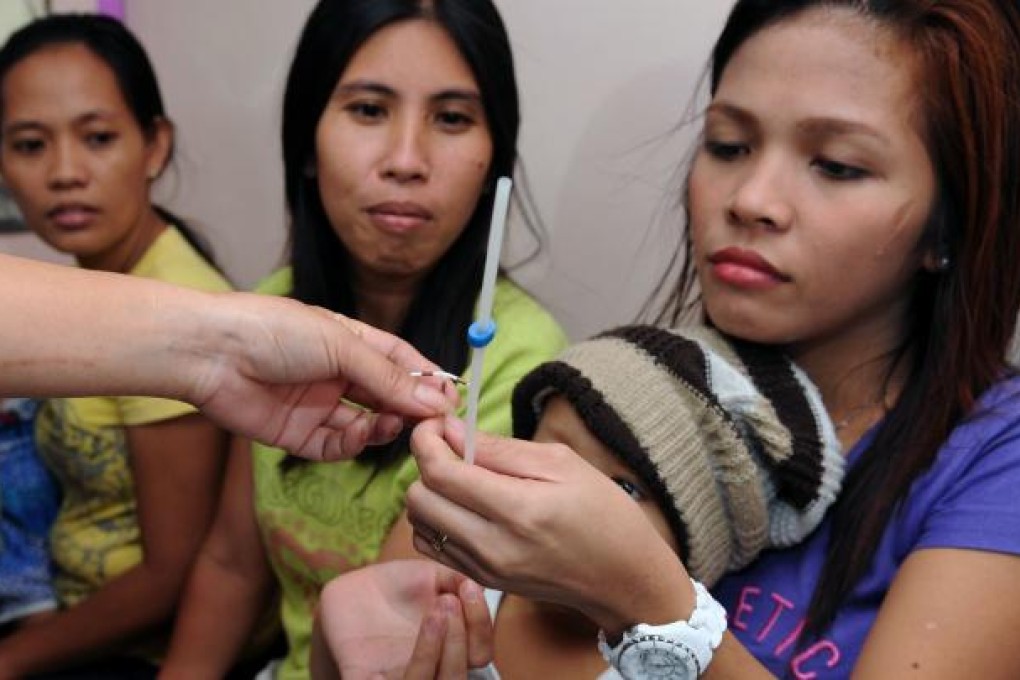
(603, 85)
(222, 67)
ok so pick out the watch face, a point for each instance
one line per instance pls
(658, 659)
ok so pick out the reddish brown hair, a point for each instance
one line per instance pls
(962, 320)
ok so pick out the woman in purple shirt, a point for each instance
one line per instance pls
(855, 199)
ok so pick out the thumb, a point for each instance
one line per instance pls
(377, 365)
(505, 455)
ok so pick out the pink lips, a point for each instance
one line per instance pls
(745, 269)
(399, 217)
(72, 216)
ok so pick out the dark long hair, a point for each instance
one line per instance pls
(110, 41)
(961, 320)
(443, 307)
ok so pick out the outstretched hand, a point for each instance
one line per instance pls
(292, 372)
(539, 521)
(410, 620)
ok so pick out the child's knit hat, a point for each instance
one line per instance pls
(731, 437)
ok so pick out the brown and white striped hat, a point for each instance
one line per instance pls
(732, 438)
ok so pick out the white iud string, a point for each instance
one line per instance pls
(483, 330)
(439, 374)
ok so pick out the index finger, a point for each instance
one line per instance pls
(376, 364)
(453, 664)
(428, 648)
(477, 623)
(492, 494)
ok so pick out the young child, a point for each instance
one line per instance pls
(729, 441)
(29, 499)
(725, 445)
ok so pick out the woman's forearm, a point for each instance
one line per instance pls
(75, 332)
(732, 661)
(265, 367)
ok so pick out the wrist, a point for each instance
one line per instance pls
(660, 593)
(173, 332)
(199, 338)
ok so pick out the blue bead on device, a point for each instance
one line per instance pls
(481, 334)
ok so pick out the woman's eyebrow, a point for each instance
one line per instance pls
(733, 111)
(457, 95)
(820, 126)
(23, 126)
(367, 86)
(30, 125)
(383, 90)
(831, 126)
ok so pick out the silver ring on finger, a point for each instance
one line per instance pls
(439, 542)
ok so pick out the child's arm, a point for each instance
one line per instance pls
(230, 585)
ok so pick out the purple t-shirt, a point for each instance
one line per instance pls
(966, 500)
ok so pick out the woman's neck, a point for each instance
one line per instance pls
(384, 301)
(123, 256)
(859, 373)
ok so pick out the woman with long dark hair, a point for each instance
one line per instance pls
(855, 200)
(398, 117)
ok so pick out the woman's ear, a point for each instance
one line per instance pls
(937, 243)
(936, 260)
(160, 143)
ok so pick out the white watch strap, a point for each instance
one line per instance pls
(701, 634)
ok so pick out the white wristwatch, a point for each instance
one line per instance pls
(680, 650)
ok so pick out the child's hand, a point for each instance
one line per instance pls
(441, 650)
(403, 619)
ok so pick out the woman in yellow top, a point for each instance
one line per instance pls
(398, 117)
(84, 136)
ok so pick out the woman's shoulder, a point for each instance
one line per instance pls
(1006, 390)
(966, 499)
(280, 282)
(523, 316)
(996, 415)
(172, 259)
(988, 438)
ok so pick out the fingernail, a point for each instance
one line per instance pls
(433, 398)
(391, 427)
(472, 591)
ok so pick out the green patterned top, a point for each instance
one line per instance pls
(319, 520)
